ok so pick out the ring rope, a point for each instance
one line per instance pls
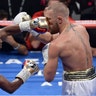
(86, 23)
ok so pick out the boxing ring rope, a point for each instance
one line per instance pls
(6, 23)
(86, 23)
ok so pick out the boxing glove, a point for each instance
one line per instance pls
(29, 68)
(40, 22)
(21, 17)
(36, 15)
(45, 53)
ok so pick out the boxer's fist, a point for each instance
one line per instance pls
(21, 17)
(40, 22)
(29, 68)
(35, 26)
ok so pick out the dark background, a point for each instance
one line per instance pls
(30, 6)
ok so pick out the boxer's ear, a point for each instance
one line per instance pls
(59, 19)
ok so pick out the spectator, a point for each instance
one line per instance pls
(87, 9)
(73, 8)
(3, 15)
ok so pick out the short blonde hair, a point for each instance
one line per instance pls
(59, 8)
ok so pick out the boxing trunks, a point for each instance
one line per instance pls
(79, 83)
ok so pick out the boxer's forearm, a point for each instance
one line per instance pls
(45, 38)
(10, 87)
(10, 30)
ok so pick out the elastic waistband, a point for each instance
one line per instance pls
(80, 75)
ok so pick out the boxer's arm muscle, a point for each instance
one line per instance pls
(52, 64)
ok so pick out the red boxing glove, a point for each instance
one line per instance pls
(40, 30)
(35, 15)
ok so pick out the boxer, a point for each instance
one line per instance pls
(73, 48)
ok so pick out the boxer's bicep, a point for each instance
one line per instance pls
(52, 64)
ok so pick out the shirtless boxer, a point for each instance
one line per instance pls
(30, 68)
(73, 48)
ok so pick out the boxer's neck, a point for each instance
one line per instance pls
(66, 28)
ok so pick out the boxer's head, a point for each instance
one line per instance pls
(57, 14)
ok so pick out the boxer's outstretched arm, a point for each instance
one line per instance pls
(10, 87)
(29, 26)
(30, 68)
(11, 29)
(39, 22)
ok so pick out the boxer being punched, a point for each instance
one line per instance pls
(73, 48)
(30, 68)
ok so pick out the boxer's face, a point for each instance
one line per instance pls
(53, 26)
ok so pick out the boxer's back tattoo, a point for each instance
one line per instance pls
(79, 36)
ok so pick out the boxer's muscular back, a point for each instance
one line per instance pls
(74, 48)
